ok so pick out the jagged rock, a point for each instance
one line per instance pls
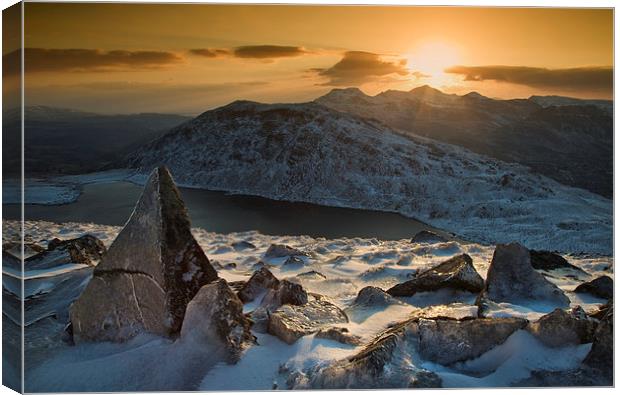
(603, 310)
(376, 366)
(511, 278)
(149, 274)
(281, 250)
(560, 328)
(602, 287)
(286, 293)
(214, 318)
(312, 275)
(260, 282)
(447, 341)
(243, 245)
(86, 250)
(236, 286)
(457, 273)
(426, 236)
(373, 296)
(596, 369)
(15, 248)
(546, 260)
(290, 322)
(340, 335)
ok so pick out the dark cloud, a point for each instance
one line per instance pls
(268, 51)
(571, 79)
(209, 52)
(43, 59)
(357, 67)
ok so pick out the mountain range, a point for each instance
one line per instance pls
(567, 139)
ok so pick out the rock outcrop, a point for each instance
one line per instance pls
(151, 271)
(546, 260)
(214, 318)
(511, 278)
(373, 297)
(341, 335)
(560, 328)
(447, 341)
(86, 250)
(456, 273)
(602, 287)
(281, 250)
(261, 281)
(426, 236)
(291, 322)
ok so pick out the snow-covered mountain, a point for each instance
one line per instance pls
(308, 152)
(569, 140)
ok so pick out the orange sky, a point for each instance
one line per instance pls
(189, 58)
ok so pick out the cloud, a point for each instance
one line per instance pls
(268, 51)
(43, 59)
(570, 79)
(357, 67)
(209, 52)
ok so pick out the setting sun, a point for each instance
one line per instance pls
(432, 58)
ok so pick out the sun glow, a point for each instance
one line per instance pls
(431, 58)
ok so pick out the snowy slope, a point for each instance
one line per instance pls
(307, 152)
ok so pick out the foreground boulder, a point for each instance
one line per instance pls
(560, 328)
(369, 367)
(456, 273)
(373, 297)
(152, 270)
(86, 250)
(261, 281)
(601, 356)
(447, 341)
(602, 287)
(214, 318)
(511, 278)
(546, 260)
(291, 322)
(426, 236)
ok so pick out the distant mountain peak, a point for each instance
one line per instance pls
(426, 89)
(475, 95)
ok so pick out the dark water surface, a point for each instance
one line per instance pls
(112, 204)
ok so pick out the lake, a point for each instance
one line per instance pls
(112, 204)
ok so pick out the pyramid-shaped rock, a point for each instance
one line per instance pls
(149, 274)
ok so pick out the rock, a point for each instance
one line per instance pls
(281, 250)
(560, 328)
(603, 309)
(260, 282)
(373, 297)
(149, 274)
(546, 260)
(291, 322)
(214, 318)
(377, 366)
(294, 260)
(447, 341)
(312, 275)
(340, 335)
(511, 278)
(286, 293)
(11, 261)
(601, 356)
(243, 245)
(456, 273)
(86, 250)
(602, 287)
(426, 236)
(15, 248)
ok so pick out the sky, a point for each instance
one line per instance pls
(188, 58)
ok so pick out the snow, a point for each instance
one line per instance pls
(308, 153)
(149, 362)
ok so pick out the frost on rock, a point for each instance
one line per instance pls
(602, 287)
(456, 273)
(560, 328)
(290, 322)
(151, 271)
(214, 318)
(511, 278)
(261, 281)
